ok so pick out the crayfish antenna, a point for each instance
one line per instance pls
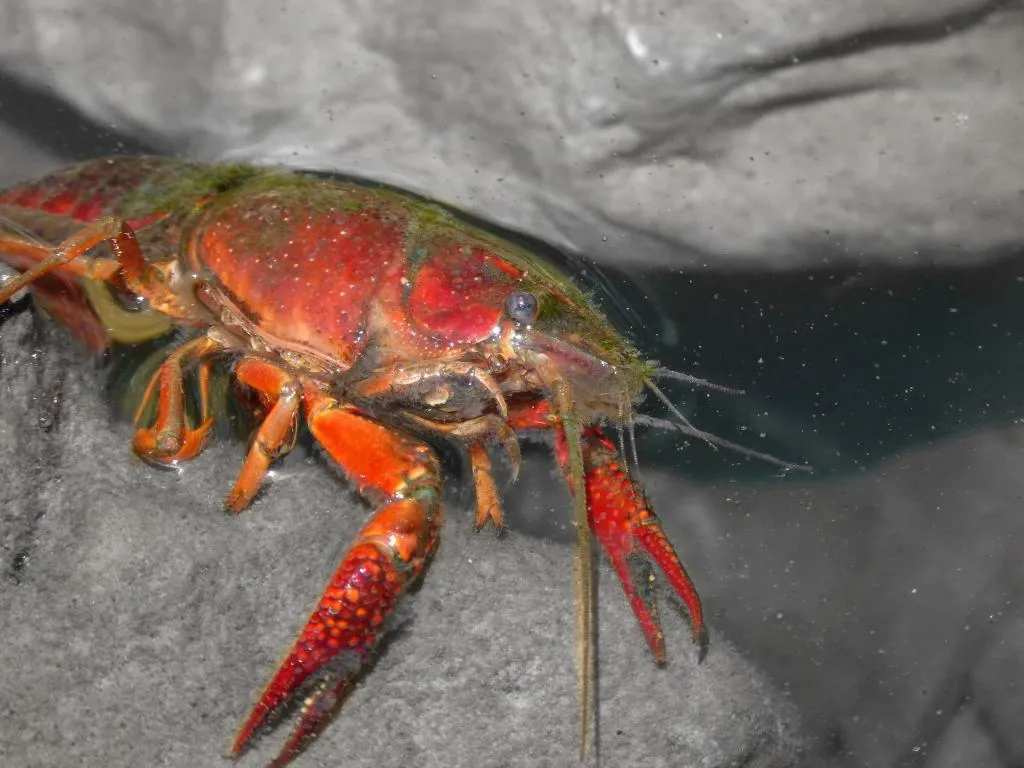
(625, 428)
(687, 428)
(584, 577)
(668, 373)
(631, 430)
(586, 651)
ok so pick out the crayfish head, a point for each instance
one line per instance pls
(569, 346)
(600, 390)
(595, 376)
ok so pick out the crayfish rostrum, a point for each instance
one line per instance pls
(385, 323)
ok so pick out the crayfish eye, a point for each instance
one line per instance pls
(522, 306)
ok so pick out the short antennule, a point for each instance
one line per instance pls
(668, 373)
(687, 428)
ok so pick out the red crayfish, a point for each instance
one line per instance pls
(385, 323)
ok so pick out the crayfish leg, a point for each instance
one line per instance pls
(487, 505)
(477, 433)
(171, 438)
(631, 535)
(70, 255)
(275, 435)
(387, 556)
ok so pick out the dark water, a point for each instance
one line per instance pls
(844, 370)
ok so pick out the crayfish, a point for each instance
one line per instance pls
(383, 322)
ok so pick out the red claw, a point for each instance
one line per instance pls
(316, 710)
(336, 641)
(623, 521)
(388, 555)
(631, 535)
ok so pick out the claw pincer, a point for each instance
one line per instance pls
(624, 523)
(341, 633)
(631, 535)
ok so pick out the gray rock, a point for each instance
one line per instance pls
(695, 135)
(887, 604)
(139, 620)
(718, 135)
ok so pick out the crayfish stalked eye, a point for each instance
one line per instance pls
(522, 306)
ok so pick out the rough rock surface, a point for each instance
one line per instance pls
(699, 134)
(139, 620)
(883, 596)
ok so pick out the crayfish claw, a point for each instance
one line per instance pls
(316, 711)
(651, 537)
(340, 635)
(702, 641)
(631, 535)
